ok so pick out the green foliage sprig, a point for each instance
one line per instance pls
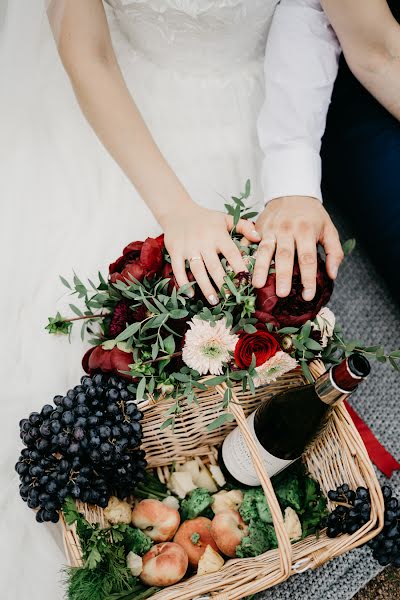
(104, 573)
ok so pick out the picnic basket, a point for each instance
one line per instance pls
(338, 456)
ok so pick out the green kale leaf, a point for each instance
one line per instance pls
(196, 504)
(261, 537)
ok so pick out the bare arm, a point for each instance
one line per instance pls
(85, 47)
(370, 38)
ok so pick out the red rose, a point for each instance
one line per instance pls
(261, 343)
(293, 311)
(139, 260)
(107, 361)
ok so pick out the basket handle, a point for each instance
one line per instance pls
(284, 545)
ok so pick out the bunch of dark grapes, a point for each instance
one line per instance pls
(352, 512)
(86, 446)
(386, 545)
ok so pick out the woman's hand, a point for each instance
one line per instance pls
(295, 224)
(200, 235)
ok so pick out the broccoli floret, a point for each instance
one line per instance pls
(255, 506)
(289, 493)
(261, 537)
(197, 503)
(135, 540)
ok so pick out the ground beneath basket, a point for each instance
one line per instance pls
(385, 586)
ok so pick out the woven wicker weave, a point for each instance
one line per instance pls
(338, 456)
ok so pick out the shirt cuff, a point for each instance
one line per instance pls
(292, 172)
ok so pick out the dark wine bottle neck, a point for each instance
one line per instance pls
(340, 381)
(328, 391)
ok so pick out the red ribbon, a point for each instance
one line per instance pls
(377, 453)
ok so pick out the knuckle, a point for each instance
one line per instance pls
(307, 259)
(265, 245)
(303, 227)
(284, 254)
(309, 283)
(286, 226)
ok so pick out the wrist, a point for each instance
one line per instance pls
(294, 199)
(182, 205)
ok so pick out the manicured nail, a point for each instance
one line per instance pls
(334, 271)
(308, 294)
(281, 290)
(255, 233)
(212, 298)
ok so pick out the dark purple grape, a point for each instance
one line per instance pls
(45, 429)
(58, 400)
(78, 433)
(35, 418)
(67, 418)
(46, 411)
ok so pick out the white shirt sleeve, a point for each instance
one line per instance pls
(301, 65)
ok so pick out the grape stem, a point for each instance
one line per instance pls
(344, 504)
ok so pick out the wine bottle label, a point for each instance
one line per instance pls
(238, 461)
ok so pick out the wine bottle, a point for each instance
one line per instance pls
(285, 425)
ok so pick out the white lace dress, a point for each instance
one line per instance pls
(195, 68)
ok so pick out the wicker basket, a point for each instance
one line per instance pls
(338, 456)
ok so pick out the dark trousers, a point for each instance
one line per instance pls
(361, 171)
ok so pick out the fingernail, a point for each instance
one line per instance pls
(281, 290)
(334, 271)
(255, 233)
(212, 298)
(308, 294)
(190, 293)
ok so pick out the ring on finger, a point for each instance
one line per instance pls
(194, 258)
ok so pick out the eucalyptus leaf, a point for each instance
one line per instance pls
(130, 330)
(168, 423)
(249, 328)
(178, 313)
(141, 389)
(76, 310)
(288, 330)
(312, 344)
(306, 330)
(220, 421)
(348, 246)
(169, 344)
(306, 371)
(65, 282)
(215, 380)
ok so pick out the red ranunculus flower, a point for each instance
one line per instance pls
(107, 361)
(292, 311)
(261, 343)
(140, 260)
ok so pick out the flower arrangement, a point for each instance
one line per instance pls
(168, 344)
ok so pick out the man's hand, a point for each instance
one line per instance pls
(295, 224)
